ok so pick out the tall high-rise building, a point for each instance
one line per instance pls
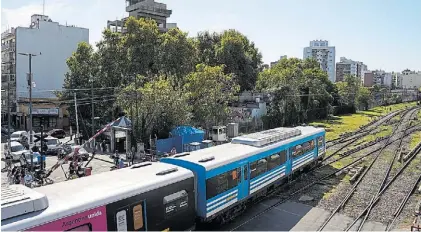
(349, 67)
(324, 54)
(144, 9)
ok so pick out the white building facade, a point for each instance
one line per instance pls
(411, 80)
(324, 54)
(53, 44)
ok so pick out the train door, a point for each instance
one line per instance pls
(288, 164)
(243, 190)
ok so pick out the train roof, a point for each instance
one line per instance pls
(250, 144)
(70, 197)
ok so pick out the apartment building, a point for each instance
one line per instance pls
(324, 54)
(144, 9)
(51, 44)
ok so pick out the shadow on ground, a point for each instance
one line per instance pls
(286, 216)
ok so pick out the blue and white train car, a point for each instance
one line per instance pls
(229, 175)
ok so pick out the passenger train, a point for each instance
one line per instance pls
(211, 184)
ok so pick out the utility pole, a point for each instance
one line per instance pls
(92, 103)
(30, 94)
(77, 120)
(8, 113)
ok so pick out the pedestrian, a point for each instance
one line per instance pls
(120, 163)
(133, 155)
(116, 158)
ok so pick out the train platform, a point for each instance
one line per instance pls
(293, 216)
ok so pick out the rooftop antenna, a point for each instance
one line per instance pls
(43, 7)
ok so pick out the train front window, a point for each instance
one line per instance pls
(320, 141)
(176, 203)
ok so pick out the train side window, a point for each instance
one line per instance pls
(258, 167)
(296, 151)
(274, 161)
(175, 203)
(222, 182)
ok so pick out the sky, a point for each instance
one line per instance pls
(384, 34)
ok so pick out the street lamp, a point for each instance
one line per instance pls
(30, 55)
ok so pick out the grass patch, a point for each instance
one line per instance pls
(342, 163)
(415, 139)
(347, 123)
(384, 130)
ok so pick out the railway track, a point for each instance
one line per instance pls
(357, 185)
(363, 129)
(355, 136)
(293, 193)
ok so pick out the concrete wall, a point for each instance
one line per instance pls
(56, 43)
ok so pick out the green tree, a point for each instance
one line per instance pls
(161, 107)
(142, 44)
(112, 59)
(348, 91)
(240, 57)
(177, 55)
(210, 91)
(206, 45)
(300, 91)
(364, 97)
(82, 74)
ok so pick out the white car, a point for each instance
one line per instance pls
(17, 150)
(19, 136)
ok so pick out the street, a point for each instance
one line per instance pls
(101, 163)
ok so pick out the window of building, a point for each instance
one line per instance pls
(222, 182)
(52, 122)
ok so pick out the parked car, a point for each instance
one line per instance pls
(16, 150)
(53, 145)
(57, 133)
(19, 136)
